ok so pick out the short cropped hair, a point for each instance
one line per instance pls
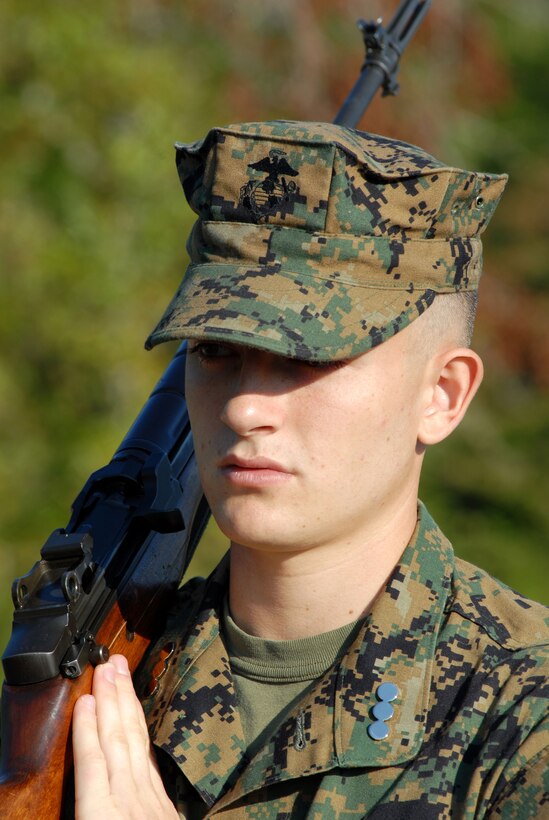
(454, 313)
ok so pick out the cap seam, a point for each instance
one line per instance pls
(273, 226)
(310, 275)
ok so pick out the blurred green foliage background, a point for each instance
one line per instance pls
(93, 226)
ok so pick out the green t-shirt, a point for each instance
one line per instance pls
(271, 676)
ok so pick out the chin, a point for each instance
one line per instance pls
(251, 537)
(242, 514)
(256, 532)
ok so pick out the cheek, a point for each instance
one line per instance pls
(371, 433)
(336, 434)
(202, 414)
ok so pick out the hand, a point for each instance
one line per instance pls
(116, 777)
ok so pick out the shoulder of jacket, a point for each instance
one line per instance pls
(187, 595)
(186, 605)
(506, 616)
(182, 612)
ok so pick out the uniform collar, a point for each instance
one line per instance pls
(195, 718)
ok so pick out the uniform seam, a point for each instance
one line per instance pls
(510, 643)
(509, 788)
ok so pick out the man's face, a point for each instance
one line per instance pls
(292, 455)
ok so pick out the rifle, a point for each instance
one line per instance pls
(104, 582)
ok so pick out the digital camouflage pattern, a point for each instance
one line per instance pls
(318, 242)
(468, 737)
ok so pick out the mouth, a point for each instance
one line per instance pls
(253, 472)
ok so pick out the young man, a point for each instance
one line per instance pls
(340, 662)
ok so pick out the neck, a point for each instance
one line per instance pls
(287, 595)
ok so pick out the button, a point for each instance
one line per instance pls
(387, 692)
(383, 711)
(378, 730)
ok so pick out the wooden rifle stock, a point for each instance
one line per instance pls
(104, 584)
(36, 753)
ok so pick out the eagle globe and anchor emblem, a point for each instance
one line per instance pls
(266, 196)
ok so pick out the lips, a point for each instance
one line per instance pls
(253, 472)
(257, 463)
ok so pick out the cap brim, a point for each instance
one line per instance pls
(308, 318)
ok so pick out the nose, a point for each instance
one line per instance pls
(255, 406)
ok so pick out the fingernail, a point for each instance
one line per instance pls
(121, 664)
(88, 702)
(108, 671)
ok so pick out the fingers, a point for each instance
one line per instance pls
(123, 731)
(121, 726)
(91, 778)
(113, 758)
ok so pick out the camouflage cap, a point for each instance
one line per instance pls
(318, 242)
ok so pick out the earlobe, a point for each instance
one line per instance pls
(455, 381)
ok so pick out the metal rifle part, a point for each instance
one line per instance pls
(149, 488)
(384, 47)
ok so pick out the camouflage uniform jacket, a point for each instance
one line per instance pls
(467, 738)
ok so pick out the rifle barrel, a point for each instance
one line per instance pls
(384, 47)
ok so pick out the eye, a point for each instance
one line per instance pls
(327, 365)
(311, 369)
(212, 351)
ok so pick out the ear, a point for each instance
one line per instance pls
(455, 378)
